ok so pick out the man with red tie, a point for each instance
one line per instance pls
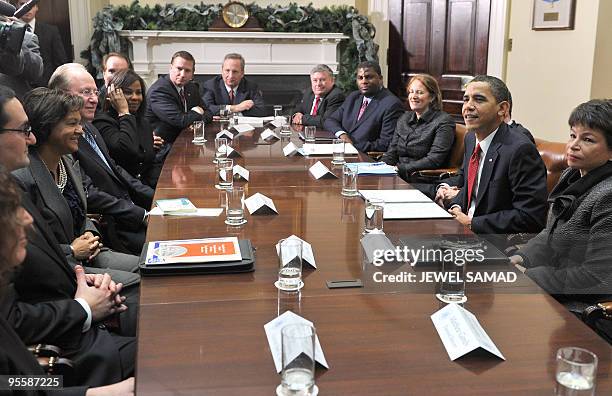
(368, 116)
(321, 101)
(503, 179)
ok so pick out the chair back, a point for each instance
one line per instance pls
(553, 155)
(455, 158)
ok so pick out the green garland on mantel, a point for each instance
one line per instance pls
(293, 18)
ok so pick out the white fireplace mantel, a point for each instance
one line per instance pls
(268, 53)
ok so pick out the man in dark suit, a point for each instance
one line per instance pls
(112, 63)
(50, 43)
(47, 303)
(111, 190)
(174, 101)
(368, 116)
(321, 100)
(503, 178)
(232, 91)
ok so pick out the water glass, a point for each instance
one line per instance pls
(576, 372)
(289, 264)
(235, 206)
(338, 152)
(349, 181)
(374, 216)
(224, 114)
(277, 111)
(225, 173)
(452, 285)
(198, 132)
(235, 118)
(285, 130)
(309, 134)
(298, 359)
(289, 301)
(220, 149)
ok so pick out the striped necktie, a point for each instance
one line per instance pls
(92, 142)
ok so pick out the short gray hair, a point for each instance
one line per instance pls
(321, 68)
(234, 55)
(60, 79)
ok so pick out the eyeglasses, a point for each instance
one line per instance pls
(89, 92)
(25, 131)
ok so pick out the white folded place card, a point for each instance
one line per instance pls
(260, 204)
(242, 128)
(200, 212)
(231, 153)
(225, 133)
(461, 333)
(320, 171)
(241, 173)
(307, 252)
(273, 333)
(291, 150)
(269, 134)
(279, 121)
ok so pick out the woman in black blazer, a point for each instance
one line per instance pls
(128, 135)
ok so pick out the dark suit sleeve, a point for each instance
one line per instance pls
(259, 108)
(527, 178)
(208, 97)
(389, 121)
(391, 157)
(438, 152)
(126, 213)
(333, 102)
(334, 122)
(121, 136)
(163, 103)
(57, 322)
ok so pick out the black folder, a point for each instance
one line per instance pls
(247, 264)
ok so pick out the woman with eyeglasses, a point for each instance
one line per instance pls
(54, 182)
(125, 130)
(15, 359)
(424, 135)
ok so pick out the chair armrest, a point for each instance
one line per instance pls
(45, 350)
(597, 311)
(376, 155)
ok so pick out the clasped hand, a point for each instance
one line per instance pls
(86, 247)
(101, 293)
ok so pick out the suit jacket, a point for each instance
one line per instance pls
(19, 71)
(329, 103)
(512, 190)
(51, 50)
(374, 131)
(165, 110)
(215, 96)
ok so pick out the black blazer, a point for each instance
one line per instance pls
(329, 103)
(512, 190)
(51, 50)
(165, 111)
(374, 131)
(130, 143)
(215, 96)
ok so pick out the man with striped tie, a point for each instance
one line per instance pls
(321, 101)
(368, 116)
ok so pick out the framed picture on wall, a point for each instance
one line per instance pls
(553, 14)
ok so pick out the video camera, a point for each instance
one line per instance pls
(11, 32)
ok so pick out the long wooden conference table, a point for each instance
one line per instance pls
(204, 335)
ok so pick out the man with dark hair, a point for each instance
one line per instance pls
(321, 100)
(174, 101)
(49, 40)
(66, 312)
(368, 116)
(503, 179)
(232, 91)
(112, 63)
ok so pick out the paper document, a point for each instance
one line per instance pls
(193, 251)
(395, 195)
(174, 206)
(327, 149)
(200, 212)
(461, 332)
(273, 333)
(243, 128)
(415, 210)
(372, 168)
(254, 121)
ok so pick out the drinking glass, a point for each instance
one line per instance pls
(349, 181)
(338, 152)
(235, 206)
(224, 114)
(198, 132)
(374, 215)
(225, 173)
(285, 130)
(298, 359)
(277, 111)
(220, 149)
(576, 372)
(452, 285)
(289, 264)
(309, 134)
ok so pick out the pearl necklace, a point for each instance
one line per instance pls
(63, 177)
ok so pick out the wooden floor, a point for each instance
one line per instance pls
(203, 335)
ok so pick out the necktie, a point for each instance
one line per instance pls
(315, 108)
(472, 174)
(362, 109)
(29, 27)
(183, 99)
(231, 96)
(92, 142)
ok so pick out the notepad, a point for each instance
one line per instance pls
(174, 206)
